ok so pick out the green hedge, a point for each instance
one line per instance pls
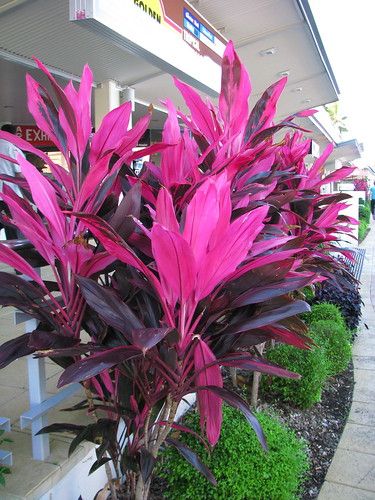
(242, 469)
(364, 213)
(362, 230)
(311, 364)
(335, 339)
(324, 311)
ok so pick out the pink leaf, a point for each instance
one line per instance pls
(210, 405)
(165, 214)
(202, 217)
(44, 197)
(230, 251)
(111, 132)
(235, 92)
(12, 259)
(175, 263)
(200, 113)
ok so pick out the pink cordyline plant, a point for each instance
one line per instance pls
(195, 266)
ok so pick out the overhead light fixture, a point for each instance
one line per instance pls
(297, 89)
(306, 101)
(268, 52)
(286, 72)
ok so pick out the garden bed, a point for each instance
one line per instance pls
(321, 426)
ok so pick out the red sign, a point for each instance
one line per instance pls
(33, 134)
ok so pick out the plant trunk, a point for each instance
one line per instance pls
(142, 490)
(233, 376)
(256, 381)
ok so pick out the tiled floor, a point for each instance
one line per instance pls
(351, 475)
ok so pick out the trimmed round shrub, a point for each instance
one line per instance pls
(242, 468)
(310, 364)
(324, 311)
(334, 338)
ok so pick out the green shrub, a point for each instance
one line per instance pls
(364, 213)
(3, 470)
(324, 311)
(310, 364)
(362, 230)
(309, 293)
(242, 469)
(334, 338)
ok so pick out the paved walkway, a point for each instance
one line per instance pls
(351, 475)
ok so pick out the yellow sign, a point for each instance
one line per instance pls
(152, 8)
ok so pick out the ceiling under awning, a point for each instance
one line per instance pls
(42, 28)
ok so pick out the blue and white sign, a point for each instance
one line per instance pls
(200, 31)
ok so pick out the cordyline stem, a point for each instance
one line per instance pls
(106, 465)
(170, 409)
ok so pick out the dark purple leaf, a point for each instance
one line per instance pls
(40, 340)
(98, 463)
(145, 338)
(146, 463)
(14, 349)
(130, 205)
(248, 362)
(261, 294)
(110, 307)
(269, 317)
(93, 365)
(63, 427)
(193, 459)
(237, 402)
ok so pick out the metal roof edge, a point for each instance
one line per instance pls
(310, 21)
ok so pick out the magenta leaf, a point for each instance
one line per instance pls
(111, 132)
(175, 263)
(210, 405)
(10, 257)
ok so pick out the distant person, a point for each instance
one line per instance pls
(372, 197)
(12, 169)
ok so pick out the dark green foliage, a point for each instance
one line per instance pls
(334, 338)
(364, 213)
(362, 230)
(242, 469)
(309, 294)
(324, 311)
(311, 365)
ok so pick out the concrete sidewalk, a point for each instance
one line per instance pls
(351, 475)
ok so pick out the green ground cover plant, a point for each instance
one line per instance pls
(243, 470)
